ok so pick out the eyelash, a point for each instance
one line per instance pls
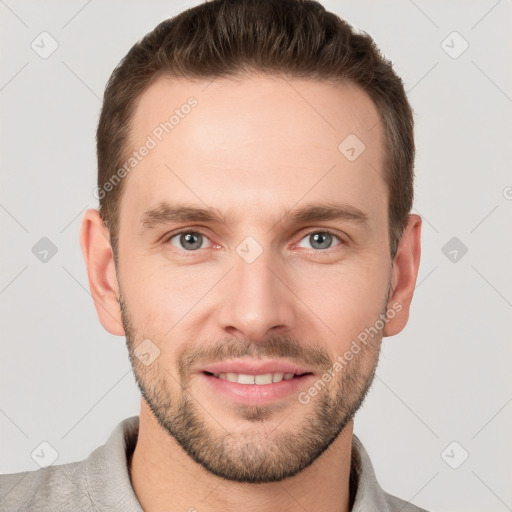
(168, 237)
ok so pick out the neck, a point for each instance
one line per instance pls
(163, 476)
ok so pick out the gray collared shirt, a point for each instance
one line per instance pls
(101, 482)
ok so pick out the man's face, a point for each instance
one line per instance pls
(228, 303)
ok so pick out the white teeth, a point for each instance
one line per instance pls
(245, 379)
(266, 378)
(263, 379)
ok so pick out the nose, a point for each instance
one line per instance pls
(256, 301)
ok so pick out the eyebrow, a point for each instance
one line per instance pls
(166, 213)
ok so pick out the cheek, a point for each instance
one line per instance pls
(347, 298)
(163, 304)
(158, 293)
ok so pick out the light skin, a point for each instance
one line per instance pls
(253, 147)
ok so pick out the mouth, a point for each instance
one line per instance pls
(255, 382)
(258, 379)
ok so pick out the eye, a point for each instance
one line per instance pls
(192, 241)
(189, 241)
(321, 240)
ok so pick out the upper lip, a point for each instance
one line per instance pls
(255, 367)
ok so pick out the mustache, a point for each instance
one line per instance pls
(282, 347)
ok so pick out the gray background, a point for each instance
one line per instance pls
(446, 378)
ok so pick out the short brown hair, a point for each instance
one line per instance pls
(227, 38)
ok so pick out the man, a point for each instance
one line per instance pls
(254, 244)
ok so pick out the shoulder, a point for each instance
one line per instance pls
(398, 505)
(52, 488)
(99, 482)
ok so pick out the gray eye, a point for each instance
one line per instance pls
(189, 240)
(320, 240)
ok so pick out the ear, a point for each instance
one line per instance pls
(99, 259)
(404, 274)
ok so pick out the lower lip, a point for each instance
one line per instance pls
(256, 394)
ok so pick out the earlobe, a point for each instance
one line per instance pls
(404, 275)
(99, 260)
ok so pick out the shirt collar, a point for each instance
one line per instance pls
(107, 470)
(369, 496)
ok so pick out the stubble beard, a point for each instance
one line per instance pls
(253, 455)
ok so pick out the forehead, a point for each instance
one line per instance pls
(254, 141)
